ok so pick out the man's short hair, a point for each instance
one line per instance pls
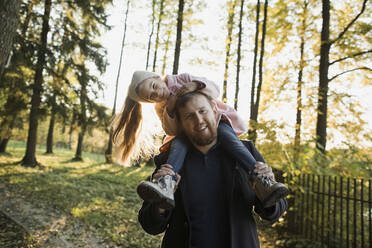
(184, 99)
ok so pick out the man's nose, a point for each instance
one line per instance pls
(198, 118)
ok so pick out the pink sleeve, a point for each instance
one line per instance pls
(210, 88)
(207, 86)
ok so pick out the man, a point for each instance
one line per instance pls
(213, 201)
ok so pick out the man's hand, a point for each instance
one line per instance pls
(264, 169)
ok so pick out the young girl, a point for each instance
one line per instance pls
(149, 87)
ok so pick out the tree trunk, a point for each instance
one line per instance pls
(29, 159)
(151, 34)
(252, 123)
(230, 25)
(9, 14)
(325, 46)
(83, 116)
(108, 152)
(49, 144)
(161, 13)
(3, 145)
(70, 137)
(239, 56)
(166, 53)
(260, 74)
(177, 50)
(4, 140)
(79, 148)
(321, 124)
(297, 141)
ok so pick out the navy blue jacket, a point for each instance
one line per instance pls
(242, 201)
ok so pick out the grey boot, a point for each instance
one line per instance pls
(268, 190)
(160, 191)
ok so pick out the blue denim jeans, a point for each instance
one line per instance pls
(177, 154)
(235, 147)
(227, 139)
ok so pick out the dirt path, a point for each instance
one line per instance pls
(50, 227)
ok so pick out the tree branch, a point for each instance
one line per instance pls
(351, 23)
(355, 69)
(351, 56)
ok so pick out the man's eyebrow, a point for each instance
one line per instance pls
(187, 113)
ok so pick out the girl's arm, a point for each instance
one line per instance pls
(205, 85)
(208, 87)
(168, 122)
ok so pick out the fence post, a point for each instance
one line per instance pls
(361, 210)
(341, 215)
(312, 205)
(370, 212)
(347, 212)
(355, 215)
(302, 216)
(329, 210)
(335, 210)
(317, 210)
(291, 204)
(308, 225)
(323, 196)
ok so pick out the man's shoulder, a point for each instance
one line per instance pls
(162, 157)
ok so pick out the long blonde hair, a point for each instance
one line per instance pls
(126, 126)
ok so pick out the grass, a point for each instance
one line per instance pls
(101, 195)
(14, 236)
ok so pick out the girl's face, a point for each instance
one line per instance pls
(153, 90)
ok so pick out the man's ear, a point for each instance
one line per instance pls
(214, 107)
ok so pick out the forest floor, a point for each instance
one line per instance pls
(75, 204)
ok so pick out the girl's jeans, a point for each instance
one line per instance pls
(229, 141)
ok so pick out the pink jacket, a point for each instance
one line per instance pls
(175, 82)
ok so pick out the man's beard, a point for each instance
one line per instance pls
(203, 141)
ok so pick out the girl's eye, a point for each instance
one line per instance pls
(153, 85)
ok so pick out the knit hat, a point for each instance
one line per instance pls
(137, 79)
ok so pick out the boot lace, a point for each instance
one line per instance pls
(266, 180)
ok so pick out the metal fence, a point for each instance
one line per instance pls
(332, 210)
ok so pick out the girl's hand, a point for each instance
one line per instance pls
(165, 169)
(188, 87)
(171, 104)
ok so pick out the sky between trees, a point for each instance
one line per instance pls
(198, 60)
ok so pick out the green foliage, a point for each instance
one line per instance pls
(349, 161)
(101, 195)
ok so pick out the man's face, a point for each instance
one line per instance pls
(199, 121)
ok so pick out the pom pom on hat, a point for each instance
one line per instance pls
(137, 79)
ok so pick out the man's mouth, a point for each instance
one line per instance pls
(201, 128)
